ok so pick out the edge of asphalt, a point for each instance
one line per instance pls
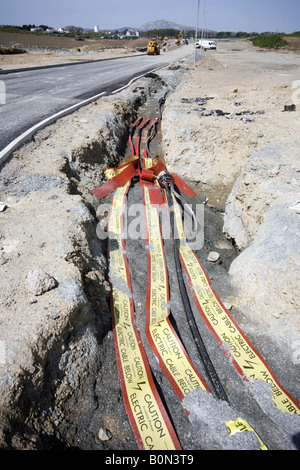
(38, 67)
(27, 135)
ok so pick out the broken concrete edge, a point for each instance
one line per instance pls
(258, 217)
(27, 135)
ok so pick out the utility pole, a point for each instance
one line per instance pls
(203, 25)
(196, 33)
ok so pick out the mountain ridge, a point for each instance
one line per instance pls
(163, 24)
(160, 24)
(157, 24)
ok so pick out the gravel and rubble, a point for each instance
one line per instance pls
(58, 376)
(247, 168)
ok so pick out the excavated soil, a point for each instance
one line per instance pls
(28, 50)
(59, 382)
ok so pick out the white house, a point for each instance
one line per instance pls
(63, 30)
(130, 32)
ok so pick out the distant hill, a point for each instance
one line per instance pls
(162, 24)
(125, 28)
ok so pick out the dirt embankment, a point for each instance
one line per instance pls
(293, 42)
(60, 42)
(225, 130)
(40, 50)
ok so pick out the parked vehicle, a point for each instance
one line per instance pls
(206, 45)
(178, 40)
(153, 47)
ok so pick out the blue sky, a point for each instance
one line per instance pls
(221, 15)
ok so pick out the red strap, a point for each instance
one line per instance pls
(147, 174)
(158, 167)
(156, 197)
(116, 182)
(185, 188)
(146, 178)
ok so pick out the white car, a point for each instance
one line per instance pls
(206, 45)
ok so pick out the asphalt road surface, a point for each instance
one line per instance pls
(32, 96)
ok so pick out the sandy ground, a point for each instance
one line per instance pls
(41, 50)
(240, 147)
(251, 87)
(58, 378)
(33, 59)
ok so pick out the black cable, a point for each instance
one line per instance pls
(152, 131)
(211, 372)
(166, 180)
(150, 135)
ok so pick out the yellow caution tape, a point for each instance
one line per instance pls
(148, 162)
(166, 345)
(149, 420)
(244, 357)
(240, 425)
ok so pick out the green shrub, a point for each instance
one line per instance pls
(269, 41)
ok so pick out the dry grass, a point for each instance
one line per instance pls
(11, 39)
(293, 42)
